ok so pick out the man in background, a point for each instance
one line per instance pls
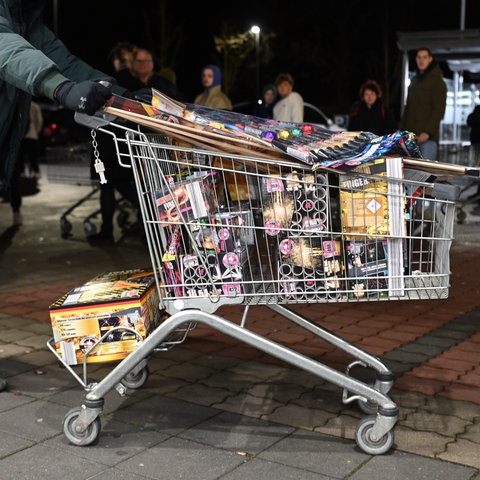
(426, 102)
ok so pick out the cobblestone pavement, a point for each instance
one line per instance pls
(214, 407)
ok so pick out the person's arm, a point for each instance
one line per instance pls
(24, 66)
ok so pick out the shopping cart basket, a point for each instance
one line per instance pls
(227, 229)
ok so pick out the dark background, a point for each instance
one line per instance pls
(329, 47)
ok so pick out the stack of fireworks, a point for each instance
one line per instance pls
(219, 262)
(297, 219)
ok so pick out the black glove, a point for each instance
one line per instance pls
(86, 97)
(143, 95)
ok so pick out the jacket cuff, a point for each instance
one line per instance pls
(49, 84)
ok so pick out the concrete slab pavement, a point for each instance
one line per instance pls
(216, 408)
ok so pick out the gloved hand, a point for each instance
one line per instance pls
(86, 97)
(143, 95)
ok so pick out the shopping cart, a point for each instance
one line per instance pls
(225, 229)
(72, 165)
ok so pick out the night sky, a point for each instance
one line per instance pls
(329, 53)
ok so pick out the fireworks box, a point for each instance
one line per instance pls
(310, 266)
(88, 312)
(191, 199)
(216, 273)
(369, 267)
(224, 232)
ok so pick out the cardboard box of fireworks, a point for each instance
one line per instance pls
(115, 299)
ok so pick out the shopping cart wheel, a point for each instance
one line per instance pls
(461, 215)
(370, 408)
(122, 218)
(362, 437)
(136, 380)
(65, 227)
(89, 228)
(89, 436)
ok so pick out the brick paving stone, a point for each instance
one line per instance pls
(428, 350)
(461, 366)
(458, 391)
(426, 421)
(299, 417)
(468, 411)
(472, 432)
(441, 342)
(203, 395)
(410, 382)
(471, 378)
(380, 344)
(421, 442)
(406, 357)
(441, 374)
(463, 452)
(456, 353)
(246, 404)
(399, 335)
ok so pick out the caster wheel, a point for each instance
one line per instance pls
(89, 436)
(65, 227)
(89, 228)
(122, 219)
(136, 381)
(362, 437)
(367, 407)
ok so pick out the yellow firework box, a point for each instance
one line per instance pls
(106, 317)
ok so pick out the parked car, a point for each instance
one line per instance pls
(312, 114)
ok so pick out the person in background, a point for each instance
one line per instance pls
(369, 113)
(269, 98)
(147, 77)
(120, 179)
(36, 63)
(28, 160)
(122, 57)
(473, 121)
(30, 146)
(426, 102)
(212, 95)
(290, 106)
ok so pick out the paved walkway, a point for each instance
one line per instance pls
(217, 408)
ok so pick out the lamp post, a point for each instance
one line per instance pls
(256, 31)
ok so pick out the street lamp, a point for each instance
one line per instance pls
(256, 31)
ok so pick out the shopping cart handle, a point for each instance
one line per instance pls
(99, 119)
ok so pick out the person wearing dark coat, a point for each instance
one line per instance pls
(473, 121)
(426, 103)
(268, 101)
(369, 113)
(35, 63)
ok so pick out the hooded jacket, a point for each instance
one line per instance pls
(426, 102)
(33, 62)
(213, 96)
